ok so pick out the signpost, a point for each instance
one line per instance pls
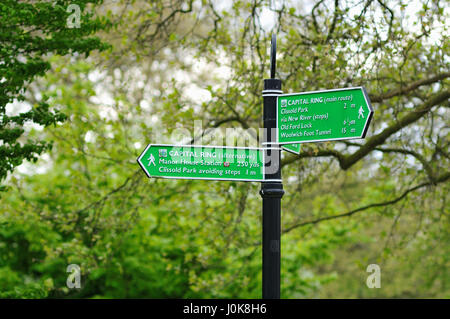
(319, 116)
(270, 192)
(203, 162)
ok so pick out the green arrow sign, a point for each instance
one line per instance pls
(292, 148)
(323, 115)
(203, 162)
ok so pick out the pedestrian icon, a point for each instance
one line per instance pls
(360, 112)
(151, 160)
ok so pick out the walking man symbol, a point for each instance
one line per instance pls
(151, 160)
(360, 112)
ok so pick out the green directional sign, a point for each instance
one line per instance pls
(338, 114)
(292, 148)
(203, 162)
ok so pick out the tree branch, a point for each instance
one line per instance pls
(418, 156)
(335, 17)
(346, 161)
(380, 138)
(409, 88)
(440, 179)
(320, 153)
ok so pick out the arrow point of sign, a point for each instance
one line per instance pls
(139, 160)
(371, 111)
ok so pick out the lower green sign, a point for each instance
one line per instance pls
(203, 162)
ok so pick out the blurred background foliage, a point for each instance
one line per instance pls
(381, 200)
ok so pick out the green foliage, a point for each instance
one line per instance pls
(30, 31)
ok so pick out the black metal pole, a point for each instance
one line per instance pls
(271, 191)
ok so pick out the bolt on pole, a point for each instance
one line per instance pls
(271, 192)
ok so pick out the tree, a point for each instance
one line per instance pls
(29, 32)
(381, 200)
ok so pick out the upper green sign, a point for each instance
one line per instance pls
(323, 115)
(203, 162)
